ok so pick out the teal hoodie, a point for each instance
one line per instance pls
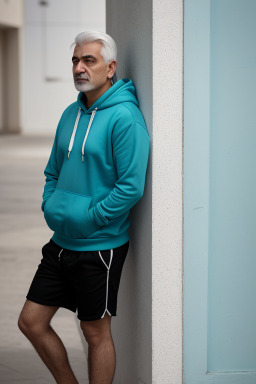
(96, 170)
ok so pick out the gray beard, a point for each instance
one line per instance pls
(83, 87)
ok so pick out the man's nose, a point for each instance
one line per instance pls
(80, 68)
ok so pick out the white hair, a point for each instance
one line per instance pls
(109, 49)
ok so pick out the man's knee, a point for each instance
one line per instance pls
(96, 332)
(26, 324)
(32, 322)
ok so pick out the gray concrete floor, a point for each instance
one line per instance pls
(23, 232)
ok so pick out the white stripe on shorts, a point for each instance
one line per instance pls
(108, 268)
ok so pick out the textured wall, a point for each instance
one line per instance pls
(150, 42)
(130, 24)
(167, 191)
(149, 335)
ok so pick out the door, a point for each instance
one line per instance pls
(220, 192)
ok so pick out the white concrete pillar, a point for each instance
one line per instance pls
(148, 336)
(167, 191)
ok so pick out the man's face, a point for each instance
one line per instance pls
(90, 71)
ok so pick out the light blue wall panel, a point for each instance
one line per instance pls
(232, 203)
(219, 192)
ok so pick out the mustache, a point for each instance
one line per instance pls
(81, 76)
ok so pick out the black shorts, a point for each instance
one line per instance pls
(82, 281)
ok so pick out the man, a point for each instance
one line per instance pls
(95, 174)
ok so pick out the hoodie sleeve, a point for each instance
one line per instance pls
(130, 153)
(51, 172)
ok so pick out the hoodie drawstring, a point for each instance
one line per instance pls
(74, 132)
(87, 131)
(72, 139)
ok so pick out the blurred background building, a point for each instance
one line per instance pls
(11, 46)
(35, 59)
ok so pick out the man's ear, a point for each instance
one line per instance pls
(111, 68)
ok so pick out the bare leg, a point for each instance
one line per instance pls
(34, 322)
(101, 350)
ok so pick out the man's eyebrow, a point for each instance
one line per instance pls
(84, 57)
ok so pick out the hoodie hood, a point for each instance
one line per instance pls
(122, 91)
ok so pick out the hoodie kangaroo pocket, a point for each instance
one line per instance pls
(67, 213)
